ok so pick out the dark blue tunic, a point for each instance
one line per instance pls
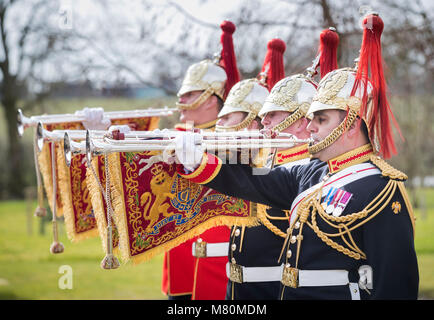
(387, 239)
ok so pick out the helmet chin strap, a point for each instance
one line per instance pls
(288, 121)
(196, 103)
(237, 127)
(335, 134)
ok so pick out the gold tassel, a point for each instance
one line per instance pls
(56, 247)
(109, 261)
(40, 211)
(97, 195)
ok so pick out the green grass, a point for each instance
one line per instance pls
(29, 271)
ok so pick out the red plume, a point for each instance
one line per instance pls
(228, 60)
(370, 68)
(273, 62)
(328, 47)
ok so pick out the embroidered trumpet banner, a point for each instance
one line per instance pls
(81, 215)
(44, 161)
(156, 209)
(97, 199)
(99, 204)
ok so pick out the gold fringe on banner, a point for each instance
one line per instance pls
(44, 159)
(74, 195)
(98, 206)
(169, 239)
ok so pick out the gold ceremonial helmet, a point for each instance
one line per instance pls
(335, 93)
(213, 77)
(246, 96)
(249, 95)
(361, 92)
(206, 76)
(292, 94)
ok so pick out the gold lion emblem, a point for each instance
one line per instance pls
(160, 187)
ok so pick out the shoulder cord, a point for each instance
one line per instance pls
(264, 218)
(378, 203)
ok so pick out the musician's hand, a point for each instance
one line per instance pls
(268, 133)
(121, 128)
(188, 150)
(94, 118)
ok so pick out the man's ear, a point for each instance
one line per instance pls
(301, 125)
(354, 129)
(255, 125)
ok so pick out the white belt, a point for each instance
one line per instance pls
(241, 274)
(305, 278)
(323, 278)
(320, 278)
(204, 249)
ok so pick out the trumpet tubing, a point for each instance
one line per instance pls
(24, 122)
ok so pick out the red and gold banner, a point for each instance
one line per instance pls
(97, 199)
(156, 209)
(74, 199)
(99, 203)
(80, 222)
(44, 160)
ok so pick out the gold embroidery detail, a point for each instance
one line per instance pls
(331, 85)
(396, 207)
(284, 95)
(358, 155)
(292, 154)
(387, 170)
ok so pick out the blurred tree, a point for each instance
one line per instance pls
(143, 41)
(30, 36)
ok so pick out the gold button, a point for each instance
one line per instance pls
(237, 232)
(233, 247)
(289, 254)
(293, 239)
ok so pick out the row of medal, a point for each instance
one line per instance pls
(335, 201)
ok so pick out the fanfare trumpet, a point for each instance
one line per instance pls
(24, 122)
(138, 141)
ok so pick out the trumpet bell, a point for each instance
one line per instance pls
(67, 149)
(40, 136)
(20, 122)
(88, 147)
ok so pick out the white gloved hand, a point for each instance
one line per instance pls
(94, 118)
(188, 150)
(123, 128)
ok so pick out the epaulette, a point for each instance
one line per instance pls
(387, 170)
